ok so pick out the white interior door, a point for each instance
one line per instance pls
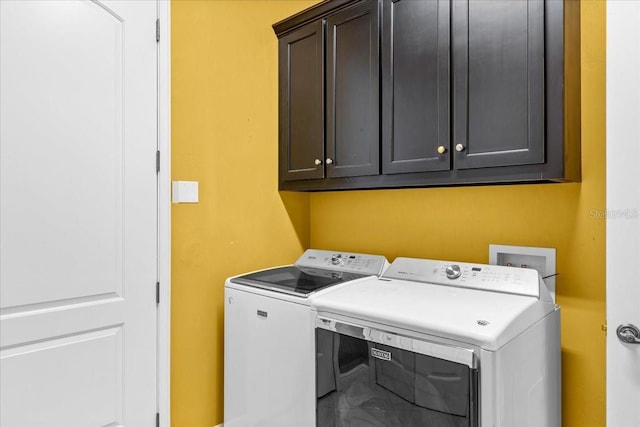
(623, 211)
(78, 227)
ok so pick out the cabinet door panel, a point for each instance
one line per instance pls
(302, 103)
(352, 91)
(415, 86)
(498, 57)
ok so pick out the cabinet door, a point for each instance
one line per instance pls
(352, 91)
(301, 126)
(498, 60)
(415, 86)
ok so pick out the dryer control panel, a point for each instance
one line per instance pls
(343, 261)
(497, 278)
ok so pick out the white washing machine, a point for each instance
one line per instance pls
(269, 358)
(439, 344)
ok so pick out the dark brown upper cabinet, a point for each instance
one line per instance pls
(334, 60)
(415, 86)
(301, 65)
(498, 92)
(416, 93)
(352, 141)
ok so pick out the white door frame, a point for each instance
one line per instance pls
(164, 213)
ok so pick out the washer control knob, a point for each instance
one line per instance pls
(336, 259)
(453, 271)
(459, 147)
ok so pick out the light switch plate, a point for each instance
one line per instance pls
(184, 192)
(541, 259)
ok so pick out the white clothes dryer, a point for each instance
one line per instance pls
(439, 344)
(269, 358)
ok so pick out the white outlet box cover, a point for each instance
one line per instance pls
(541, 259)
(184, 192)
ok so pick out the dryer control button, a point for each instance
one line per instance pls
(453, 271)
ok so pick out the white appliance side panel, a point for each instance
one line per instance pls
(269, 369)
(521, 383)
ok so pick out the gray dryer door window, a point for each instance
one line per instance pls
(361, 382)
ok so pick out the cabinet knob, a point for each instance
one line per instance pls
(459, 147)
(329, 161)
(318, 162)
(441, 149)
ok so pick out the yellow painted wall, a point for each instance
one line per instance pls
(224, 135)
(460, 223)
(224, 107)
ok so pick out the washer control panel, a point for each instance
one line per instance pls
(343, 261)
(497, 278)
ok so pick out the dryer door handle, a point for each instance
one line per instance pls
(449, 352)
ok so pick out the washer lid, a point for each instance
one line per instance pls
(295, 280)
(484, 318)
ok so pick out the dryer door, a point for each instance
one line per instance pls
(401, 383)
